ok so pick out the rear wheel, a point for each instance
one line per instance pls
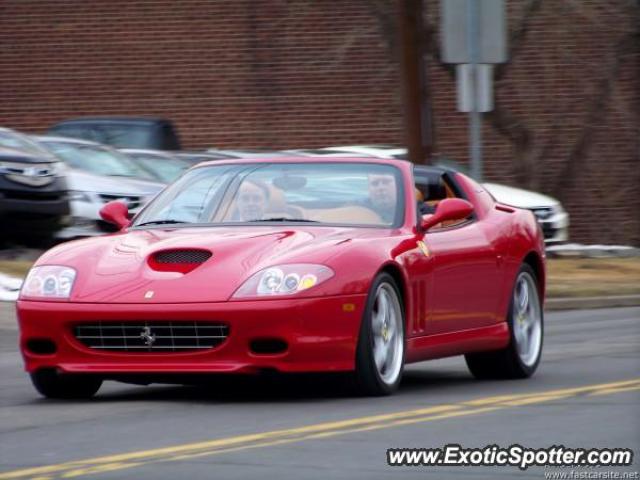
(381, 345)
(52, 384)
(521, 357)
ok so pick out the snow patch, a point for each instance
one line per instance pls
(9, 288)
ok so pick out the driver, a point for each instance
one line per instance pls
(382, 195)
(252, 201)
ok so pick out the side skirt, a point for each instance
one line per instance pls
(493, 337)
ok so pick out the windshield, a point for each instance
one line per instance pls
(364, 194)
(129, 135)
(96, 159)
(17, 141)
(165, 169)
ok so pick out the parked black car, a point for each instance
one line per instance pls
(34, 201)
(122, 132)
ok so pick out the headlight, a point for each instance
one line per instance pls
(79, 196)
(284, 280)
(58, 168)
(49, 281)
(557, 209)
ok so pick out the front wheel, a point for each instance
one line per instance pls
(51, 384)
(381, 345)
(521, 357)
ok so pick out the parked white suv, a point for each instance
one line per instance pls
(553, 219)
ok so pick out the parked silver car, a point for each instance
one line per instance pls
(97, 174)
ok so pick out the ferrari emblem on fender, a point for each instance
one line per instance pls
(148, 337)
(423, 247)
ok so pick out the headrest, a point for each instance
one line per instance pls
(277, 200)
(437, 191)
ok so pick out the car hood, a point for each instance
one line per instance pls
(23, 156)
(518, 197)
(89, 182)
(117, 268)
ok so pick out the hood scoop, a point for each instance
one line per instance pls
(178, 260)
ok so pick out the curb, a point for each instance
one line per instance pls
(583, 303)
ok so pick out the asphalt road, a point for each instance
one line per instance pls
(309, 427)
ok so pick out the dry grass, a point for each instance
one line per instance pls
(581, 277)
(15, 268)
(584, 277)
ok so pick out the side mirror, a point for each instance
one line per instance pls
(117, 213)
(447, 210)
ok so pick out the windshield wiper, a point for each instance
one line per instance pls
(283, 219)
(161, 222)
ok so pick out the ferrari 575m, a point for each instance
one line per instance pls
(351, 265)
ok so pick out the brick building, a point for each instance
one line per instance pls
(308, 73)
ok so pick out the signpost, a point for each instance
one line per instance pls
(474, 36)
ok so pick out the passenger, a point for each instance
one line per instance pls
(383, 195)
(252, 200)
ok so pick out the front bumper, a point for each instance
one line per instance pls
(556, 228)
(321, 334)
(79, 229)
(34, 212)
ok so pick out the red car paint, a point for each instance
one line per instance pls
(456, 288)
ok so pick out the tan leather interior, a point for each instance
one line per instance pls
(349, 214)
(434, 202)
(450, 193)
(277, 200)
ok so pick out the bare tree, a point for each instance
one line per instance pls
(532, 148)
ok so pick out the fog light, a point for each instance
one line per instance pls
(41, 346)
(268, 346)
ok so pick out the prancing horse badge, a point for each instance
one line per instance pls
(423, 247)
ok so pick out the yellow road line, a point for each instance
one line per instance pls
(328, 434)
(316, 431)
(609, 391)
(502, 399)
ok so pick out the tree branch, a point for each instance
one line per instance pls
(595, 115)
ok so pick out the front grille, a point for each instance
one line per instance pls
(33, 196)
(156, 336)
(182, 256)
(132, 201)
(548, 230)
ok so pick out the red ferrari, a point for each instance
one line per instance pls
(354, 265)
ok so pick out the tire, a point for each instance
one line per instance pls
(51, 384)
(382, 336)
(521, 357)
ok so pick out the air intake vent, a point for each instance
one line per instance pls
(182, 256)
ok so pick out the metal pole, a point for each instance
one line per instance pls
(475, 117)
